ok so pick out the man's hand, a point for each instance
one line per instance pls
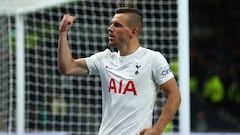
(66, 23)
(149, 131)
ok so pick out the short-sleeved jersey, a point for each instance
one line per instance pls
(129, 88)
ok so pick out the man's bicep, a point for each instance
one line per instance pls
(170, 86)
(80, 67)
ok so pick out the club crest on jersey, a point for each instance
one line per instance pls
(137, 68)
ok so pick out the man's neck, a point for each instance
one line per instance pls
(129, 48)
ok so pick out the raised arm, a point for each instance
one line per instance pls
(170, 108)
(66, 64)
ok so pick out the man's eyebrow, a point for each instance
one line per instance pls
(116, 22)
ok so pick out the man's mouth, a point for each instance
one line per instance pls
(111, 37)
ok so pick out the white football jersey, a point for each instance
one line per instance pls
(129, 88)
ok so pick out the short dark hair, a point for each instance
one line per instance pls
(135, 16)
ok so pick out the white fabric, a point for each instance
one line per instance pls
(129, 86)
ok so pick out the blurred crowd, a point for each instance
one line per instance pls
(215, 64)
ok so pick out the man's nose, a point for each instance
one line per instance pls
(110, 28)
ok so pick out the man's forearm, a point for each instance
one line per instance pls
(169, 110)
(64, 56)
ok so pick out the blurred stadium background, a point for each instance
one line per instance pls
(214, 65)
(214, 60)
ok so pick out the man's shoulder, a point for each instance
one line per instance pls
(104, 53)
(149, 52)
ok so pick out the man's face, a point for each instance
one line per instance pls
(119, 32)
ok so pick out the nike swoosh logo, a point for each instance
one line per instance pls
(108, 67)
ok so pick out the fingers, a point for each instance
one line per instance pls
(66, 23)
(149, 131)
(143, 131)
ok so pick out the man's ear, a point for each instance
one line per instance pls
(134, 32)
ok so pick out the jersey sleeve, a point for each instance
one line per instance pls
(94, 62)
(161, 69)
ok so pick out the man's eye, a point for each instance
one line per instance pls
(117, 24)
